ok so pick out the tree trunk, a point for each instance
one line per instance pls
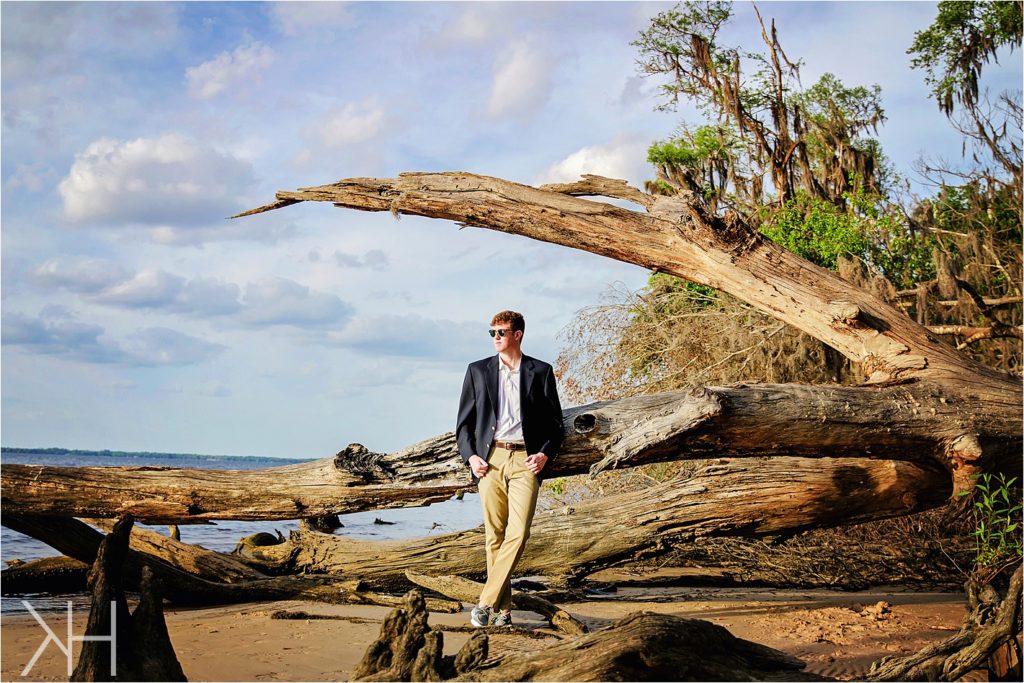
(916, 421)
(80, 541)
(731, 497)
(640, 647)
(141, 649)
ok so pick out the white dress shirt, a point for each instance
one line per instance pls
(510, 415)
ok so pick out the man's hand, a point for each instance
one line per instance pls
(478, 465)
(535, 463)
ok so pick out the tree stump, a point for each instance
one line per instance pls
(142, 649)
(408, 650)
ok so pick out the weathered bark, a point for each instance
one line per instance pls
(142, 649)
(409, 650)
(645, 646)
(674, 236)
(986, 630)
(80, 541)
(731, 497)
(46, 575)
(464, 590)
(915, 421)
(640, 647)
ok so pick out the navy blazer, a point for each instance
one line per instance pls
(478, 409)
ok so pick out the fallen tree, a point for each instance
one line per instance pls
(769, 497)
(205, 585)
(913, 421)
(924, 399)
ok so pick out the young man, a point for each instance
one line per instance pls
(509, 427)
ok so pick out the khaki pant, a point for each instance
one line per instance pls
(508, 493)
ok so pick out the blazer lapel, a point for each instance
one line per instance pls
(526, 373)
(492, 383)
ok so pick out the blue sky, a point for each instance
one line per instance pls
(135, 317)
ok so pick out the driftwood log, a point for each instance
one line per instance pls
(914, 422)
(747, 497)
(80, 541)
(46, 575)
(142, 650)
(641, 647)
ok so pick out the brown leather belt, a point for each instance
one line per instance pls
(510, 446)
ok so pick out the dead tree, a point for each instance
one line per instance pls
(924, 399)
(640, 647)
(208, 583)
(770, 497)
(409, 650)
(142, 649)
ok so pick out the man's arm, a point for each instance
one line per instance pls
(553, 427)
(466, 420)
(465, 424)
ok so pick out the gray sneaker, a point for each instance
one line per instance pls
(502, 619)
(480, 616)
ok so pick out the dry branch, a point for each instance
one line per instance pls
(675, 236)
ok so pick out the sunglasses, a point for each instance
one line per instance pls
(500, 333)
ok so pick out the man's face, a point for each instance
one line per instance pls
(504, 338)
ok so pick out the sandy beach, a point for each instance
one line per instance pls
(838, 634)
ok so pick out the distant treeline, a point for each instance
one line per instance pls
(141, 454)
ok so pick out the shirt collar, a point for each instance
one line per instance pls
(504, 368)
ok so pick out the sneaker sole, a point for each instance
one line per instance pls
(476, 623)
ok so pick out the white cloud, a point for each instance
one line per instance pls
(147, 289)
(169, 180)
(163, 346)
(83, 274)
(624, 158)
(228, 69)
(374, 259)
(297, 18)
(158, 289)
(30, 177)
(353, 123)
(209, 296)
(411, 336)
(57, 333)
(279, 301)
(522, 81)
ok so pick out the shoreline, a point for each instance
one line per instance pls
(837, 633)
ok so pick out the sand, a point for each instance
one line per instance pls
(838, 634)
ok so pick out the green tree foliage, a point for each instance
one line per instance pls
(764, 124)
(964, 37)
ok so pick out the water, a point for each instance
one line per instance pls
(440, 518)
